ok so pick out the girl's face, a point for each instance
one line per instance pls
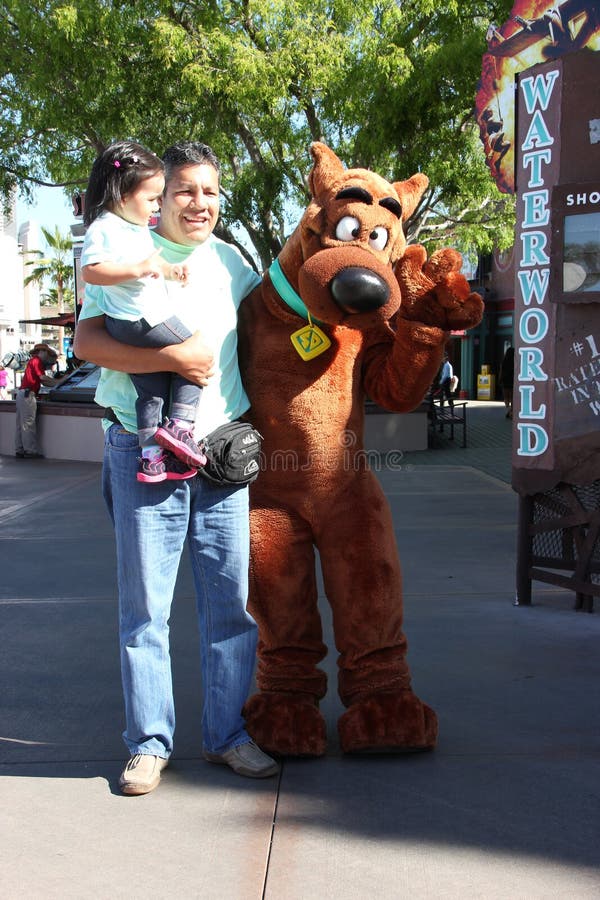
(141, 204)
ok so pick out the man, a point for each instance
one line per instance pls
(42, 358)
(152, 521)
(445, 384)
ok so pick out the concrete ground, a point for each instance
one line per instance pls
(506, 807)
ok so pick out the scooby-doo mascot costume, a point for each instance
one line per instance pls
(347, 310)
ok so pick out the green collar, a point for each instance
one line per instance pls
(286, 291)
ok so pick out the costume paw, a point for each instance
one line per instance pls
(434, 292)
(393, 722)
(286, 724)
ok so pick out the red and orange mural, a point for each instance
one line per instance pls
(536, 32)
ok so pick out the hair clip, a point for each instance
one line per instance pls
(126, 161)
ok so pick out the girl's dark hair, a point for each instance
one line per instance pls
(117, 172)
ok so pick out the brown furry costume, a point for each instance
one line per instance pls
(387, 330)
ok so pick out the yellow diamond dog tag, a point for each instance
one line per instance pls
(310, 341)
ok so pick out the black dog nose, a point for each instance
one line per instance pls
(358, 290)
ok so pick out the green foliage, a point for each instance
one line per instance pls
(388, 85)
(51, 298)
(56, 267)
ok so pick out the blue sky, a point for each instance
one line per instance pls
(51, 207)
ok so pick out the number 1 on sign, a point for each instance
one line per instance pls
(592, 342)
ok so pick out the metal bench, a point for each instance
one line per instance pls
(454, 416)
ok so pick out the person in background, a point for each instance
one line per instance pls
(72, 361)
(153, 522)
(43, 357)
(3, 383)
(445, 382)
(507, 377)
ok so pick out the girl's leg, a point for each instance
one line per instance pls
(185, 395)
(153, 389)
(154, 392)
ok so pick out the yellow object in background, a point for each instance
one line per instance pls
(486, 386)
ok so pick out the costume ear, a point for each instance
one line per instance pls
(326, 167)
(410, 192)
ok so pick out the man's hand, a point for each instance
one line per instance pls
(192, 359)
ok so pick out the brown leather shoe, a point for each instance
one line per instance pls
(141, 774)
(246, 759)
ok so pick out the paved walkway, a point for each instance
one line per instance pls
(489, 442)
(506, 807)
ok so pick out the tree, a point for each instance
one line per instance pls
(56, 267)
(50, 298)
(388, 84)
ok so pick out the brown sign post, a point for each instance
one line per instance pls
(556, 447)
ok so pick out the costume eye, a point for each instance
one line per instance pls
(347, 229)
(378, 238)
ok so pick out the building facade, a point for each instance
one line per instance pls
(17, 302)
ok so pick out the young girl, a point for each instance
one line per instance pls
(126, 275)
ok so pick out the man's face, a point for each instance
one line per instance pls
(190, 205)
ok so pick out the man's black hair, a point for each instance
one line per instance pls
(189, 153)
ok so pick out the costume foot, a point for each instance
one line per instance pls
(393, 722)
(286, 724)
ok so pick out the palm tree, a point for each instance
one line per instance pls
(50, 297)
(56, 267)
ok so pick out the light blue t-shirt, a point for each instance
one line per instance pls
(111, 239)
(219, 278)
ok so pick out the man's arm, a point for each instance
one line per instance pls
(192, 359)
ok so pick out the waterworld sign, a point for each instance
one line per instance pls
(539, 150)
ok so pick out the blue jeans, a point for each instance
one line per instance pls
(152, 522)
(157, 391)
